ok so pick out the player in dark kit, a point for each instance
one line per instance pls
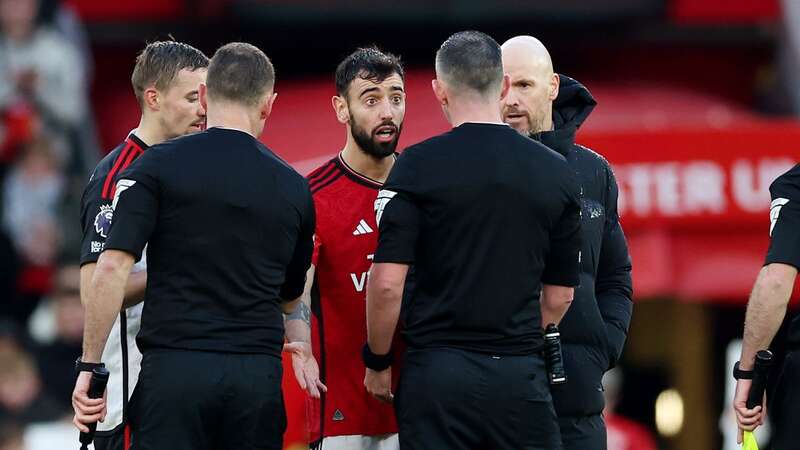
(489, 219)
(766, 310)
(166, 80)
(229, 231)
(370, 102)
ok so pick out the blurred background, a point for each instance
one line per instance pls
(698, 104)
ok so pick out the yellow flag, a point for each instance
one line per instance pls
(749, 441)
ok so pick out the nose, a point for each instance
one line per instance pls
(511, 98)
(386, 111)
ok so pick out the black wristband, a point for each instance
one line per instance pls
(740, 374)
(81, 366)
(378, 363)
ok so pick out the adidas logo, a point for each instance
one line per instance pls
(338, 416)
(362, 228)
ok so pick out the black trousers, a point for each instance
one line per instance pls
(583, 433)
(783, 408)
(187, 400)
(455, 399)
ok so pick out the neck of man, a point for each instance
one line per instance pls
(150, 131)
(473, 109)
(234, 116)
(367, 165)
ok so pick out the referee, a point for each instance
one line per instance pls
(765, 312)
(230, 228)
(490, 219)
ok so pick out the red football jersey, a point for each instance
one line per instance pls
(345, 239)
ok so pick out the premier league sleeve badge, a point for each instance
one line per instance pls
(102, 221)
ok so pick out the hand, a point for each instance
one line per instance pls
(747, 419)
(379, 384)
(306, 370)
(87, 410)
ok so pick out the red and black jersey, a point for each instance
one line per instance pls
(344, 241)
(96, 212)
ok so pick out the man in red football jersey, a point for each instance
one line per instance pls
(370, 102)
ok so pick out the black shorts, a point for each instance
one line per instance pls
(783, 407)
(455, 399)
(187, 400)
(583, 433)
(110, 441)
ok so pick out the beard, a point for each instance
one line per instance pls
(368, 143)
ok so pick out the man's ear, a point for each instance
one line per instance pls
(266, 108)
(151, 99)
(439, 91)
(341, 109)
(555, 84)
(202, 91)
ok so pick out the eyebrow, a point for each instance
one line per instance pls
(368, 90)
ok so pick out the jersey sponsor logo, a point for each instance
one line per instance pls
(102, 221)
(775, 212)
(360, 281)
(362, 228)
(384, 196)
(122, 185)
(96, 246)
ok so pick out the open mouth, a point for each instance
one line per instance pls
(385, 133)
(514, 117)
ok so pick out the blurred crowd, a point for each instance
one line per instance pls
(47, 148)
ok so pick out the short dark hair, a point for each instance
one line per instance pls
(240, 72)
(160, 62)
(472, 60)
(368, 63)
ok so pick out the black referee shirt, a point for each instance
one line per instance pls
(230, 228)
(486, 216)
(785, 230)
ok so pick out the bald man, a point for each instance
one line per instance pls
(549, 108)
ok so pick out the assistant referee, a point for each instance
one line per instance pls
(766, 310)
(229, 227)
(489, 219)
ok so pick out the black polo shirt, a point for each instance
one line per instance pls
(784, 230)
(486, 216)
(229, 227)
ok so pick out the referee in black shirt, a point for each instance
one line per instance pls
(229, 227)
(766, 310)
(489, 219)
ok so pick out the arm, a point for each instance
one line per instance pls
(614, 286)
(766, 309)
(103, 301)
(555, 302)
(384, 297)
(399, 223)
(297, 312)
(134, 288)
(562, 262)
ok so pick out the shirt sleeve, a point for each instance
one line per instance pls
(784, 244)
(562, 263)
(398, 221)
(398, 213)
(135, 206)
(96, 217)
(304, 249)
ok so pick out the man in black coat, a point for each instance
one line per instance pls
(549, 107)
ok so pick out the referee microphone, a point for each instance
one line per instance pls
(754, 398)
(96, 389)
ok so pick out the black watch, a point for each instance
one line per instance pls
(81, 366)
(378, 363)
(740, 374)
